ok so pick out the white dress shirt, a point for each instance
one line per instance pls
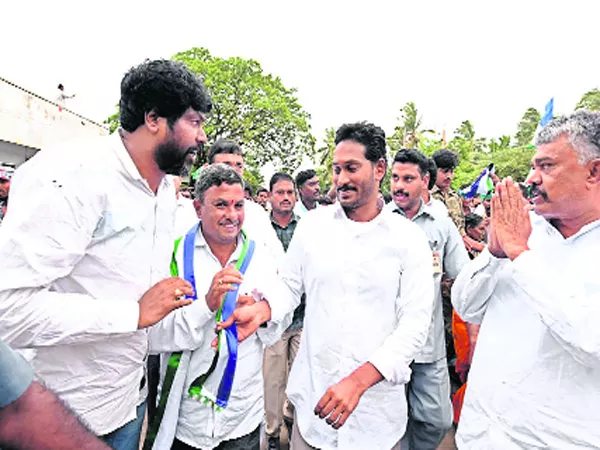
(449, 256)
(369, 294)
(85, 238)
(535, 378)
(192, 328)
(185, 216)
(300, 209)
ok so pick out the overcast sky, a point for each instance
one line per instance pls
(486, 61)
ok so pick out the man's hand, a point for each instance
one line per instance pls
(248, 316)
(341, 399)
(510, 219)
(493, 245)
(161, 299)
(222, 282)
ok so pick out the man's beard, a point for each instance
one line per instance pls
(172, 160)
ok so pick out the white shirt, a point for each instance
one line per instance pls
(300, 209)
(192, 328)
(437, 205)
(369, 294)
(449, 256)
(85, 238)
(185, 216)
(535, 377)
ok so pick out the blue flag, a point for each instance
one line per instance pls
(548, 113)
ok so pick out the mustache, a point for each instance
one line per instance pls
(346, 187)
(535, 190)
(400, 192)
(235, 223)
(285, 202)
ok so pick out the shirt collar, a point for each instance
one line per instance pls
(201, 242)
(124, 156)
(538, 220)
(294, 218)
(424, 209)
(128, 165)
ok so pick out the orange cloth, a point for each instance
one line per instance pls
(462, 347)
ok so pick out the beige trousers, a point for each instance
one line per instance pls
(277, 363)
(298, 443)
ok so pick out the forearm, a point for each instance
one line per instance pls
(39, 421)
(37, 317)
(366, 376)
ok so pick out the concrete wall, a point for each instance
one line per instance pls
(33, 122)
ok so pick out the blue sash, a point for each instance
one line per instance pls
(225, 311)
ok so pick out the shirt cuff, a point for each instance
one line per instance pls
(388, 367)
(15, 375)
(126, 318)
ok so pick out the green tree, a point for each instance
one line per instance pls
(112, 121)
(472, 154)
(254, 178)
(527, 126)
(325, 158)
(590, 101)
(254, 109)
(407, 133)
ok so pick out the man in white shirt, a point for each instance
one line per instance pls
(309, 191)
(535, 378)
(185, 214)
(367, 276)
(216, 248)
(85, 250)
(430, 411)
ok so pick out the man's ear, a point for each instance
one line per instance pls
(380, 170)
(594, 174)
(198, 207)
(153, 121)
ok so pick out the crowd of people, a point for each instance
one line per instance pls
(345, 320)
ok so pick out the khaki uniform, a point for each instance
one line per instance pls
(452, 201)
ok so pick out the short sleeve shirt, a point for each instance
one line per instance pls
(15, 375)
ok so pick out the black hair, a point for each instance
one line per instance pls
(367, 134)
(215, 175)
(262, 189)
(432, 173)
(224, 147)
(445, 159)
(278, 176)
(60, 86)
(248, 188)
(472, 220)
(167, 87)
(303, 176)
(412, 156)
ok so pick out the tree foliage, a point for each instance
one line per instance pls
(527, 126)
(590, 101)
(254, 109)
(408, 132)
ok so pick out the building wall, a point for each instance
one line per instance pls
(33, 122)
